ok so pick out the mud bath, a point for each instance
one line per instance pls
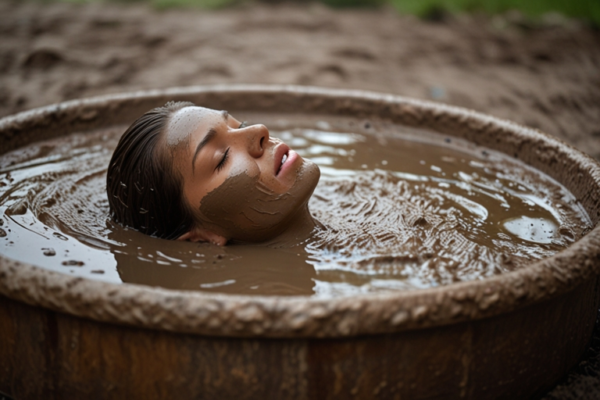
(465, 339)
(401, 209)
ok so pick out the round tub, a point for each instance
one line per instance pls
(513, 335)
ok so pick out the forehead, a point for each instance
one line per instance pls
(186, 121)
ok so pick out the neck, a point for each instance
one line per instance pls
(300, 228)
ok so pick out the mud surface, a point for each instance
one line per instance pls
(543, 76)
(397, 209)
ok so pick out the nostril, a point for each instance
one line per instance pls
(262, 139)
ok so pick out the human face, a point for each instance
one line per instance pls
(241, 183)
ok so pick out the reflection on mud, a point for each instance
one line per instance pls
(401, 211)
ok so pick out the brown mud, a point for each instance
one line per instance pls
(545, 76)
(249, 211)
(397, 209)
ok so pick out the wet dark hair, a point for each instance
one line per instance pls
(144, 191)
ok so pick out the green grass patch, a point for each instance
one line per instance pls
(584, 9)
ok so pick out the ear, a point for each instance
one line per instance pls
(197, 234)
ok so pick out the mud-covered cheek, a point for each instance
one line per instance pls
(245, 208)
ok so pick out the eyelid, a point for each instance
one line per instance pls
(243, 124)
(223, 161)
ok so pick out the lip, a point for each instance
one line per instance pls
(280, 151)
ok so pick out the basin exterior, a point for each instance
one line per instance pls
(510, 336)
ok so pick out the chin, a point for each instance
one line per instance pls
(311, 172)
(308, 177)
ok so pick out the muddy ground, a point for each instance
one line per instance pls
(544, 74)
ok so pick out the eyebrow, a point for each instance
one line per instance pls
(210, 135)
(207, 138)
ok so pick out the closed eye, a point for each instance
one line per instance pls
(223, 160)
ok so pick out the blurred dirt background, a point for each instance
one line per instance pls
(543, 73)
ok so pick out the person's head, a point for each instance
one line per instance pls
(192, 173)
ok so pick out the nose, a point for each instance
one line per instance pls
(257, 137)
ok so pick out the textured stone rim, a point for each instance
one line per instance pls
(273, 316)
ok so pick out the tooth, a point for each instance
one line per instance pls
(283, 159)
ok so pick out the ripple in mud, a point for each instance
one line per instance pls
(399, 210)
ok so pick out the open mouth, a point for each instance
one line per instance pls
(283, 160)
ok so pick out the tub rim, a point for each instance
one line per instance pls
(299, 316)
